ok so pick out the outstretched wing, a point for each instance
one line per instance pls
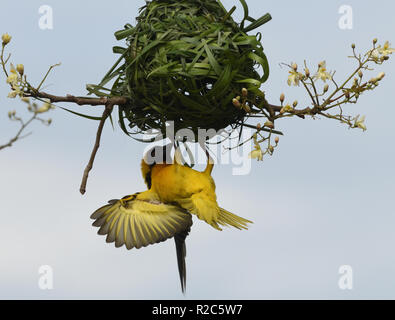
(137, 223)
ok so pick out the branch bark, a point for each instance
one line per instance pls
(108, 102)
(81, 100)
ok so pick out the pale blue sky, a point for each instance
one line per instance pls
(325, 199)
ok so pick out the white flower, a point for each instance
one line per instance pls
(256, 154)
(12, 78)
(45, 107)
(360, 123)
(294, 78)
(15, 92)
(322, 74)
(386, 49)
(12, 94)
(375, 54)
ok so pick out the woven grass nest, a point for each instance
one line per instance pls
(185, 61)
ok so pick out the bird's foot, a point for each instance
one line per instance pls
(126, 199)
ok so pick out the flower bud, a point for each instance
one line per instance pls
(347, 94)
(236, 103)
(381, 75)
(12, 94)
(294, 66)
(246, 108)
(238, 98)
(374, 40)
(259, 126)
(271, 149)
(244, 92)
(6, 38)
(269, 124)
(295, 103)
(360, 73)
(326, 87)
(353, 46)
(276, 140)
(20, 68)
(282, 97)
(307, 72)
(49, 121)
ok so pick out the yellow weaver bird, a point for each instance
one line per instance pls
(175, 191)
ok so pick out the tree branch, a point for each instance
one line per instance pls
(80, 100)
(108, 102)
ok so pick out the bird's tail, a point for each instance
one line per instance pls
(227, 218)
(181, 250)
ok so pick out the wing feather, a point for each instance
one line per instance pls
(119, 238)
(138, 222)
(133, 231)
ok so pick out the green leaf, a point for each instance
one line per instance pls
(256, 24)
(121, 34)
(214, 63)
(81, 115)
(245, 8)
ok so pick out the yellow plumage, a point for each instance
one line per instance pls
(192, 190)
(164, 211)
(138, 222)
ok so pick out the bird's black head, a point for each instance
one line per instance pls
(156, 155)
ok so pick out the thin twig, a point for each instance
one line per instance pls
(46, 75)
(108, 102)
(18, 135)
(3, 63)
(107, 111)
